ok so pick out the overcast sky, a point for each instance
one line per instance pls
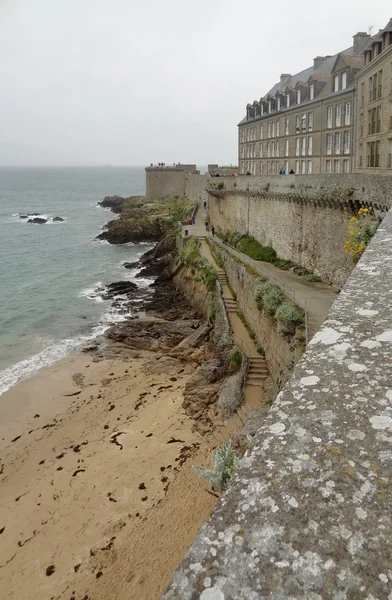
(129, 82)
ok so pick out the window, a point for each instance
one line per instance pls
(378, 117)
(347, 137)
(311, 92)
(362, 94)
(261, 132)
(278, 104)
(297, 123)
(273, 167)
(329, 117)
(262, 109)
(273, 129)
(328, 166)
(286, 148)
(268, 167)
(297, 167)
(336, 166)
(303, 122)
(347, 113)
(286, 166)
(329, 143)
(297, 147)
(261, 150)
(370, 88)
(390, 115)
(338, 120)
(379, 77)
(277, 128)
(346, 165)
(272, 149)
(336, 83)
(373, 154)
(288, 101)
(269, 107)
(303, 152)
(344, 80)
(303, 167)
(268, 149)
(277, 148)
(298, 96)
(360, 155)
(287, 126)
(269, 130)
(374, 92)
(361, 125)
(389, 163)
(337, 143)
(254, 133)
(310, 145)
(310, 121)
(310, 167)
(261, 168)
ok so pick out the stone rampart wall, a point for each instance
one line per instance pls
(164, 182)
(308, 514)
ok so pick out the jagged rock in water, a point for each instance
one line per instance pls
(58, 219)
(38, 220)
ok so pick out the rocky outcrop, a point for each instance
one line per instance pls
(38, 220)
(117, 203)
(151, 335)
(58, 219)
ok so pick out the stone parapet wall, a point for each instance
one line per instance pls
(308, 513)
(164, 182)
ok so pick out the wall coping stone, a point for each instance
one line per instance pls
(308, 514)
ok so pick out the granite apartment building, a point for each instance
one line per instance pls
(306, 121)
(374, 105)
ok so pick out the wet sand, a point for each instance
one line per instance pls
(98, 497)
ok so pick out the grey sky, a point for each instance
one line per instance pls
(140, 81)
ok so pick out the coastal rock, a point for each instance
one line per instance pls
(23, 216)
(38, 220)
(119, 288)
(58, 219)
(132, 265)
(117, 203)
(150, 335)
(136, 229)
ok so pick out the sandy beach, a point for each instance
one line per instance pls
(98, 497)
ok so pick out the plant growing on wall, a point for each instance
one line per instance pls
(269, 297)
(224, 465)
(360, 230)
(288, 317)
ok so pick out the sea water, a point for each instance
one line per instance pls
(50, 274)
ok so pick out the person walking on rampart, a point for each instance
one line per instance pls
(213, 231)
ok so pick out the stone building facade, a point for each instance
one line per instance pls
(305, 123)
(374, 106)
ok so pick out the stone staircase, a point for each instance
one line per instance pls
(257, 372)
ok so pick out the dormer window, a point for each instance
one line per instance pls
(269, 106)
(288, 101)
(278, 104)
(311, 92)
(344, 80)
(298, 96)
(336, 83)
(262, 109)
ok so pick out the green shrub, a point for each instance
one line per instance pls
(212, 313)
(220, 185)
(270, 298)
(251, 247)
(224, 466)
(312, 277)
(288, 316)
(235, 355)
(261, 351)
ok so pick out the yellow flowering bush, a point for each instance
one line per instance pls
(361, 229)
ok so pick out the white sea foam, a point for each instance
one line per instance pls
(93, 292)
(47, 357)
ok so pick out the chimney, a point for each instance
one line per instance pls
(284, 78)
(318, 61)
(360, 40)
